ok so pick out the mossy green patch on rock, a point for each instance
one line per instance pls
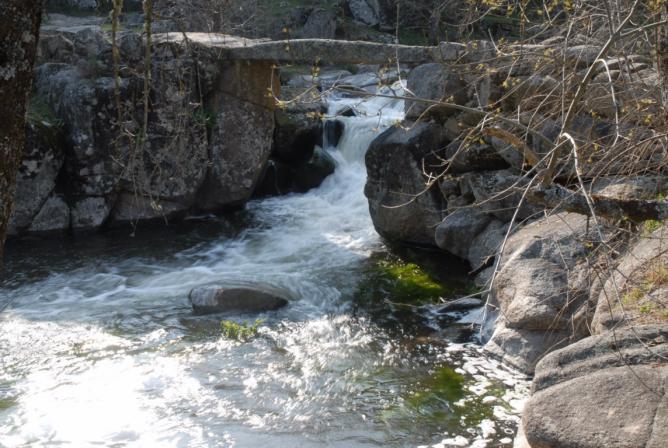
(443, 386)
(441, 400)
(6, 403)
(408, 278)
(409, 282)
(40, 113)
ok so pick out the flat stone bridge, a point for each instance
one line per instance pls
(247, 66)
(309, 50)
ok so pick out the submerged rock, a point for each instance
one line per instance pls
(213, 299)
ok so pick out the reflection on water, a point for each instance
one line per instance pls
(98, 345)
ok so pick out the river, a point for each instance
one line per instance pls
(98, 345)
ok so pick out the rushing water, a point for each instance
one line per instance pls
(98, 346)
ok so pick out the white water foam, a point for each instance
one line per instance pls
(106, 353)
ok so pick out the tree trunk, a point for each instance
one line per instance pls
(19, 32)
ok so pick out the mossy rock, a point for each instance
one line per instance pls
(406, 281)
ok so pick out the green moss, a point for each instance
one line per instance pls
(6, 403)
(651, 225)
(205, 116)
(240, 332)
(645, 309)
(443, 386)
(410, 277)
(638, 298)
(441, 401)
(413, 37)
(408, 281)
(40, 113)
(633, 296)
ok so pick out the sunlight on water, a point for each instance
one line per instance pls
(104, 351)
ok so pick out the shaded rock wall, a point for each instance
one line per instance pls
(209, 133)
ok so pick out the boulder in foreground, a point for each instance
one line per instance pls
(607, 390)
(215, 299)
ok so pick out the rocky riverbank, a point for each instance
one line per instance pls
(576, 301)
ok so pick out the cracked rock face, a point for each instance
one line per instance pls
(541, 290)
(401, 207)
(607, 390)
(365, 11)
(36, 179)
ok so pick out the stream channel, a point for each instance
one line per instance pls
(99, 346)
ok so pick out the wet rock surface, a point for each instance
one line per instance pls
(211, 300)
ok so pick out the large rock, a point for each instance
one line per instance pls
(604, 391)
(366, 11)
(435, 82)
(90, 213)
(459, 229)
(36, 179)
(523, 348)
(499, 193)
(627, 187)
(402, 206)
(213, 299)
(486, 244)
(132, 208)
(242, 135)
(636, 288)
(321, 24)
(209, 129)
(542, 289)
(312, 173)
(169, 165)
(298, 131)
(83, 106)
(54, 216)
(473, 156)
(278, 179)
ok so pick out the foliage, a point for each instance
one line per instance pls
(205, 117)
(410, 276)
(407, 281)
(6, 403)
(40, 113)
(637, 299)
(240, 331)
(441, 400)
(651, 225)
